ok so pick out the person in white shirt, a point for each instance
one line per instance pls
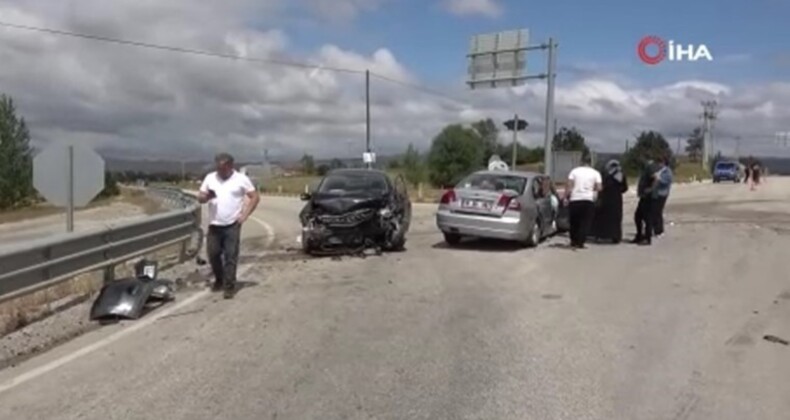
(584, 183)
(225, 190)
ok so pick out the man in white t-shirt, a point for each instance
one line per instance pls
(584, 183)
(225, 191)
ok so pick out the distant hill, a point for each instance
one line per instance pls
(199, 167)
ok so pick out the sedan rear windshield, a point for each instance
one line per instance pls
(353, 183)
(725, 166)
(494, 182)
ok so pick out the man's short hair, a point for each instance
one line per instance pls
(586, 160)
(223, 157)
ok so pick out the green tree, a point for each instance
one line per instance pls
(394, 164)
(535, 155)
(570, 140)
(337, 164)
(455, 152)
(323, 169)
(308, 164)
(489, 135)
(413, 166)
(694, 145)
(16, 157)
(111, 188)
(650, 145)
(506, 153)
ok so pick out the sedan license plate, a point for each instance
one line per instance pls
(476, 204)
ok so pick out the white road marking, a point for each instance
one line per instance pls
(269, 231)
(137, 325)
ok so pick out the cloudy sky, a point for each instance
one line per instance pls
(147, 103)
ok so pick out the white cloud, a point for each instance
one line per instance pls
(141, 102)
(489, 8)
(341, 10)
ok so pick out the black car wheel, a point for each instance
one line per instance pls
(307, 248)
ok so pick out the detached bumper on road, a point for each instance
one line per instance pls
(506, 228)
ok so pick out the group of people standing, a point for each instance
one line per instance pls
(595, 202)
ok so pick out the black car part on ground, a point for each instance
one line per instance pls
(352, 224)
(127, 298)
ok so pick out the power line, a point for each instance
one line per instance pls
(182, 50)
(419, 88)
(178, 49)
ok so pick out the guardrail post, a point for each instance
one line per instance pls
(109, 274)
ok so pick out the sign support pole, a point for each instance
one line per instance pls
(515, 141)
(547, 161)
(70, 190)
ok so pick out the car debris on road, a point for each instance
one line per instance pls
(127, 298)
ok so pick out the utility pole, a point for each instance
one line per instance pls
(708, 115)
(550, 74)
(782, 137)
(367, 115)
(738, 148)
(677, 148)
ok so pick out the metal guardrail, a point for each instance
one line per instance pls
(40, 264)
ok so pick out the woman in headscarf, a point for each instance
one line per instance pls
(609, 214)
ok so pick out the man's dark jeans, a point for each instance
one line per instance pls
(581, 213)
(658, 214)
(644, 218)
(222, 247)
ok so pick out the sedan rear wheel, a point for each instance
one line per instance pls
(534, 235)
(452, 238)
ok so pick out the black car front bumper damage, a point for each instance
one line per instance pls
(353, 232)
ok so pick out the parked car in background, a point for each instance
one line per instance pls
(727, 171)
(506, 205)
(355, 209)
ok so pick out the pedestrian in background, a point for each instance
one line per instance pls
(225, 191)
(584, 183)
(747, 171)
(609, 212)
(755, 175)
(643, 216)
(662, 184)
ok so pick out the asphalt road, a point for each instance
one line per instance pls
(86, 220)
(488, 331)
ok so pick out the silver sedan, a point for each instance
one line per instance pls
(515, 206)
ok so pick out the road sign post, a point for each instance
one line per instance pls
(68, 176)
(70, 186)
(515, 125)
(499, 60)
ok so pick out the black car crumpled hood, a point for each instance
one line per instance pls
(337, 204)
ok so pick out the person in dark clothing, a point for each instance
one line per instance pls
(662, 184)
(755, 175)
(609, 212)
(643, 216)
(747, 172)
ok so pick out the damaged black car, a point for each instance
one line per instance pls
(353, 210)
